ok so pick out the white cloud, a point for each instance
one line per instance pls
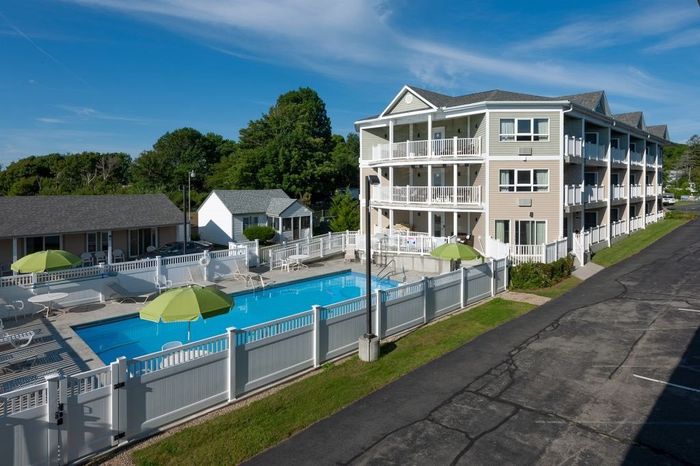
(688, 38)
(91, 113)
(50, 120)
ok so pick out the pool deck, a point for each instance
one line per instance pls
(56, 347)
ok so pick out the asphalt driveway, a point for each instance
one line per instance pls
(608, 374)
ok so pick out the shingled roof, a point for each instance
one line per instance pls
(45, 215)
(254, 201)
(630, 118)
(660, 131)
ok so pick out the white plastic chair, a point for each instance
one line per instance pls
(118, 255)
(87, 258)
(16, 308)
(100, 256)
(17, 340)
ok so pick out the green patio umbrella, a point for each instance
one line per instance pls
(455, 251)
(187, 304)
(45, 261)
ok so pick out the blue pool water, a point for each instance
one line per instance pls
(131, 336)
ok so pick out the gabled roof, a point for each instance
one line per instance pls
(635, 119)
(660, 131)
(45, 215)
(595, 101)
(255, 201)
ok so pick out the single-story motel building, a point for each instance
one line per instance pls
(130, 223)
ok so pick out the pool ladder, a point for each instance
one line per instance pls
(386, 273)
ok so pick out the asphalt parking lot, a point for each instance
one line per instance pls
(608, 374)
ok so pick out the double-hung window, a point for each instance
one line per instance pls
(530, 180)
(97, 241)
(249, 221)
(524, 129)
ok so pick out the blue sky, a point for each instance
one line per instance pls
(113, 75)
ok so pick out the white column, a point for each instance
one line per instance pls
(391, 184)
(430, 184)
(391, 221)
(430, 135)
(656, 179)
(455, 225)
(431, 224)
(609, 182)
(644, 185)
(628, 188)
(391, 139)
(109, 247)
(454, 184)
(14, 249)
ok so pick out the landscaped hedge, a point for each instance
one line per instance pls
(533, 275)
(263, 233)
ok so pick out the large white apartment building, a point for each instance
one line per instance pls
(519, 168)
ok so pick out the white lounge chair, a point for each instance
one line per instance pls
(197, 276)
(163, 284)
(117, 292)
(249, 277)
(17, 340)
(350, 254)
(15, 308)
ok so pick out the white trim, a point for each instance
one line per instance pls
(546, 228)
(561, 174)
(515, 185)
(597, 136)
(398, 96)
(520, 158)
(532, 133)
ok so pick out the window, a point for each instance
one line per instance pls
(286, 224)
(97, 241)
(41, 243)
(530, 232)
(615, 143)
(633, 146)
(633, 211)
(614, 214)
(249, 221)
(524, 129)
(590, 178)
(503, 231)
(590, 220)
(614, 178)
(591, 138)
(523, 180)
(140, 240)
(305, 222)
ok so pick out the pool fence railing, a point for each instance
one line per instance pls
(68, 418)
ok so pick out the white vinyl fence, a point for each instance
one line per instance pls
(68, 418)
(316, 247)
(545, 253)
(87, 285)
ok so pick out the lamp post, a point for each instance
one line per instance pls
(189, 201)
(184, 222)
(369, 342)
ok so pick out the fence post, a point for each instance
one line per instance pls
(493, 277)
(115, 382)
(378, 309)
(54, 416)
(257, 251)
(321, 246)
(159, 266)
(316, 309)
(231, 376)
(505, 274)
(425, 299)
(463, 282)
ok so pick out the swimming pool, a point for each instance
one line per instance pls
(130, 336)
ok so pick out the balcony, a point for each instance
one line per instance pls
(461, 196)
(576, 194)
(618, 192)
(636, 158)
(595, 152)
(651, 161)
(453, 148)
(653, 190)
(619, 155)
(636, 190)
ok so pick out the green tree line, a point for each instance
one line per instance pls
(290, 147)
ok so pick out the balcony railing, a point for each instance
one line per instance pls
(597, 152)
(635, 158)
(636, 223)
(438, 148)
(573, 194)
(636, 190)
(617, 228)
(619, 155)
(435, 195)
(651, 190)
(573, 146)
(651, 161)
(618, 191)
(594, 193)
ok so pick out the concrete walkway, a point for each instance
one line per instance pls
(587, 271)
(524, 297)
(606, 375)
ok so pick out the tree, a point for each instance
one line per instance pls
(345, 212)
(288, 148)
(345, 158)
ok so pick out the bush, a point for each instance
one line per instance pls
(262, 233)
(534, 275)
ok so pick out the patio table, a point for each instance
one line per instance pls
(46, 300)
(298, 260)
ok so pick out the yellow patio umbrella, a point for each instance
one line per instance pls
(46, 261)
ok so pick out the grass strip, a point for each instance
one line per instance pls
(240, 434)
(641, 239)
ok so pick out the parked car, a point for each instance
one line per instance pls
(668, 199)
(175, 249)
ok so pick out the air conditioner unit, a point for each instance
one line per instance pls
(524, 202)
(524, 150)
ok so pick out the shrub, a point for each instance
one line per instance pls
(533, 275)
(262, 233)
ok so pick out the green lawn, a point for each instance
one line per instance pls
(641, 239)
(240, 434)
(557, 290)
